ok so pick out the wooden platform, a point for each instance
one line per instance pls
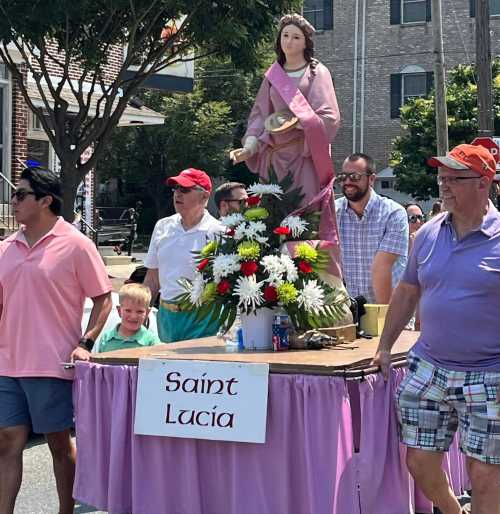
(349, 359)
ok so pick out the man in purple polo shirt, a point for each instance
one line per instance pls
(453, 379)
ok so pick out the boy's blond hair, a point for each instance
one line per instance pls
(138, 293)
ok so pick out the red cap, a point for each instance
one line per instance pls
(468, 157)
(191, 177)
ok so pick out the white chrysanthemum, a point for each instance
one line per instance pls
(265, 189)
(312, 297)
(249, 292)
(275, 269)
(224, 265)
(197, 288)
(232, 220)
(251, 231)
(296, 224)
(292, 273)
(240, 232)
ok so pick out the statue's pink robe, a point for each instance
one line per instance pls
(295, 159)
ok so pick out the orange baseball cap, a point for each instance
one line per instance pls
(468, 157)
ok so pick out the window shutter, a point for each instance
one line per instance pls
(428, 14)
(395, 94)
(327, 14)
(430, 81)
(395, 12)
(472, 8)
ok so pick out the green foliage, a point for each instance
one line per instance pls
(196, 134)
(418, 120)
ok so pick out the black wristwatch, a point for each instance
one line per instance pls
(86, 343)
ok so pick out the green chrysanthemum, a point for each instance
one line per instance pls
(209, 292)
(249, 250)
(306, 253)
(287, 293)
(256, 213)
(209, 249)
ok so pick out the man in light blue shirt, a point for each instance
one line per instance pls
(373, 233)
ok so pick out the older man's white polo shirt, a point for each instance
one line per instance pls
(171, 250)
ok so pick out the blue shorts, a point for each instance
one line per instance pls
(44, 403)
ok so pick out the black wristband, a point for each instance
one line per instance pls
(86, 343)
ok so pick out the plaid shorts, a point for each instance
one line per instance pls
(433, 402)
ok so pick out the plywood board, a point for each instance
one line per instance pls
(353, 357)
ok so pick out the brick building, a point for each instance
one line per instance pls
(380, 53)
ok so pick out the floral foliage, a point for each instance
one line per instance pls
(247, 269)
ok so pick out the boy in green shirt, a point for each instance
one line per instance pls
(133, 310)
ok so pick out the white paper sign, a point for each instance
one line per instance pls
(225, 401)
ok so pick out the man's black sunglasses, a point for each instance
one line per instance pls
(186, 190)
(21, 194)
(241, 201)
(413, 218)
(353, 177)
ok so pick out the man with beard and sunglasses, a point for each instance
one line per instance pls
(373, 233)
(47, 270)
(170, 255)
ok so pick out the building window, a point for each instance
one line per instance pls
(386, 184)
(494, 7)
(39, 147)
(319, 13)
(410, 11)
(412, 82)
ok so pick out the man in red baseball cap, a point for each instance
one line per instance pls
(170, 255)
(453, 379)
(191, 178)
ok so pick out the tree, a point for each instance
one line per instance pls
(197, 133)
(60, 34)
(418, 143)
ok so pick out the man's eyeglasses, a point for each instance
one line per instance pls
(21, 194)
(413, 218)
(451, 180)
(353, 177)
(186, 190)
(241, 201)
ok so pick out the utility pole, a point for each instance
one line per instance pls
(439, 80)
(483, 67)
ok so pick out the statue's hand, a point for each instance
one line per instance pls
(239, 155)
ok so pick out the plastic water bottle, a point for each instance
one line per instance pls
(231, 336)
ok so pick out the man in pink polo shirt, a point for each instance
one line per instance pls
(47, 269)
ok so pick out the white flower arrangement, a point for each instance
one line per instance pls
(311, 297)
(292, 273)
(275, 269)
(265, 189)
(224, 265)
(296, 224)
(197, 288)
(231, 220)
(251, 231)
(249, 292)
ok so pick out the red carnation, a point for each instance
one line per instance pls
(203, 264)
(305, 267)
(270, 294)
(248, 268)
(282, 231)
(223, 286)
(253, 200)
(230, 232)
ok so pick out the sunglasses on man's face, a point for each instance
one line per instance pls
(186, 190)
(21, 194)
(353, 177)
(413, 218)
